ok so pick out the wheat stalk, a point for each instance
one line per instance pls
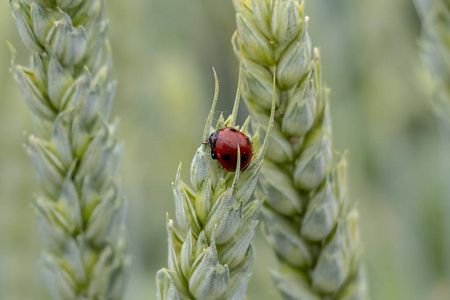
(210, 252)
(69, 90)
(309, 220)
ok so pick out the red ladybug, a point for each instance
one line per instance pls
(224, 147)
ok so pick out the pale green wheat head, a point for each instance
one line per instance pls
(210, 251)
(69, 90)
(310, 222)
(435, 45)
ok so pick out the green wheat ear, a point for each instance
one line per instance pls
(69, 90)
(435, 45)
(210, 251)
(309, 220)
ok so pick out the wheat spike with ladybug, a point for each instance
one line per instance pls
(210, 251)
(309, 220)
(69, 90)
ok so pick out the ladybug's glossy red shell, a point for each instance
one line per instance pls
(224, 147)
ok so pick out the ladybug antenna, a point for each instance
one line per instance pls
(238, 170)
(213, 106)
(238, 92)
(272, 116)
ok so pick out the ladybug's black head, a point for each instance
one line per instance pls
(212, 140)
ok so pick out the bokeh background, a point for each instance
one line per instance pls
(164, 52)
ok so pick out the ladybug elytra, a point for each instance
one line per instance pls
(224, 147)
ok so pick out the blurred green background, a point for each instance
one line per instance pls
(164, 52)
